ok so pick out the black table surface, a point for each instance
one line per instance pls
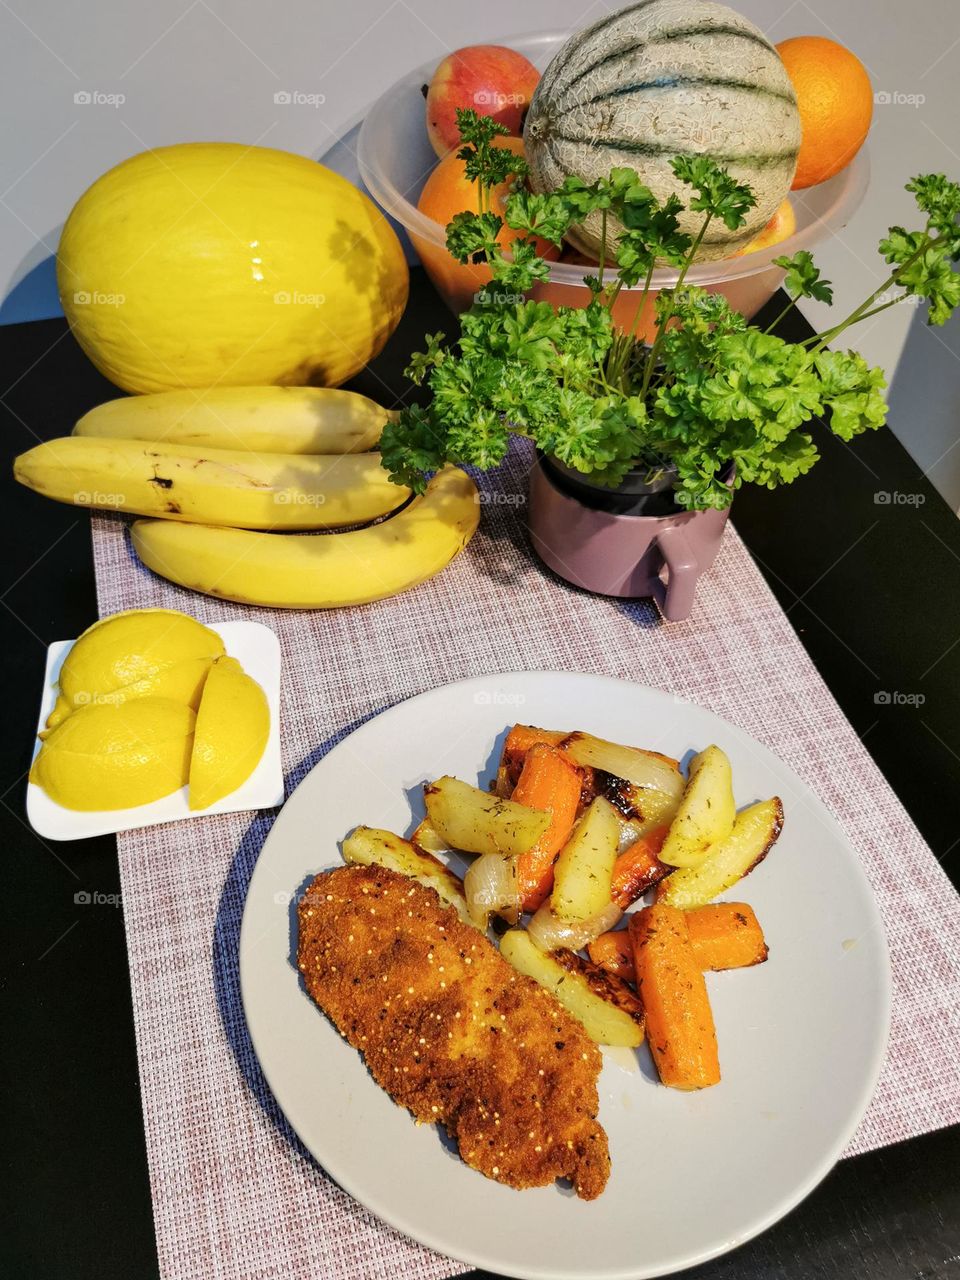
(863, 555)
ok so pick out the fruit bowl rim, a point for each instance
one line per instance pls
(848, 187)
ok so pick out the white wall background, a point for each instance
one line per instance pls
(209, 69)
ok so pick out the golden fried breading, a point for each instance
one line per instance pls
(451, 1031)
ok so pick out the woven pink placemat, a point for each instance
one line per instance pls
(234, 1193)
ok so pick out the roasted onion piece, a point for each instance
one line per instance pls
(491, 888)
(553, 934)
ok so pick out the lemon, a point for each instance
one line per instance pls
(142, 653)
(232, 727)
(106, 756)
(220, 264)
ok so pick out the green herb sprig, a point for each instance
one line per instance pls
(709, 391)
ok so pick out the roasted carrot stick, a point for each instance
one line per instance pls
(680, 1028)
(724, 935)
(638, 867)
(547, 781)
(613, 951)
(519, 741)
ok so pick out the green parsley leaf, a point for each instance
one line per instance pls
(718, 194)
(803, 279)
(547, 216)
(413, 447)
(852, 391)
(421, 362)
(473, 236)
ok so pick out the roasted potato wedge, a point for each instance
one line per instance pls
(477, 822)
(369, 845)
(706, 811)
(609, 1011)
(583, 871)
(754, 834)
(426, 838)
(641, 808)
(606, 985)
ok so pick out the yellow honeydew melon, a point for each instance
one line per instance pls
(216, 263)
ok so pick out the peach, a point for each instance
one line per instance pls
(490, 79)
(780, 227)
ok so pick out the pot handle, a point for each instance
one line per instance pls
(676, 597)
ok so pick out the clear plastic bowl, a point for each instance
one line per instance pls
(395, 158)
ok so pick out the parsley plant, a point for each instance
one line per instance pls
(710, 389)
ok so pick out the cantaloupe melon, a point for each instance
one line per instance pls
(664, 78)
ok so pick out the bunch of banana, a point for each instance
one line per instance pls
(318, 573)
(255, 419)
(221, 467)
(212, 486)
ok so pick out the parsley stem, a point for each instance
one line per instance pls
(614, 295)
(829, 334)
(875, 311)
(694, 249)
(603, 245)
(643, 299)
(668, 312)
(821, 339)
(773, 323)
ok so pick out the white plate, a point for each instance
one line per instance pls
(801, 1037)
(258, 651)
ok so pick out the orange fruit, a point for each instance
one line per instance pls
(446, 192)
(449, 191)
(835, 99)
(780, 227)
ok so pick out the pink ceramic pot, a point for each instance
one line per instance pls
(616, 554)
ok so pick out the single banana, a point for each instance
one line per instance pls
(212, 486)
(322, 572)
(259, 419)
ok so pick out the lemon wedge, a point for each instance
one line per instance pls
(143, 653)
(106, 756)
(233, 723)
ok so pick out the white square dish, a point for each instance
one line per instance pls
(258, 650)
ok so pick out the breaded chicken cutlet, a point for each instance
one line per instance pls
(451, 1031)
